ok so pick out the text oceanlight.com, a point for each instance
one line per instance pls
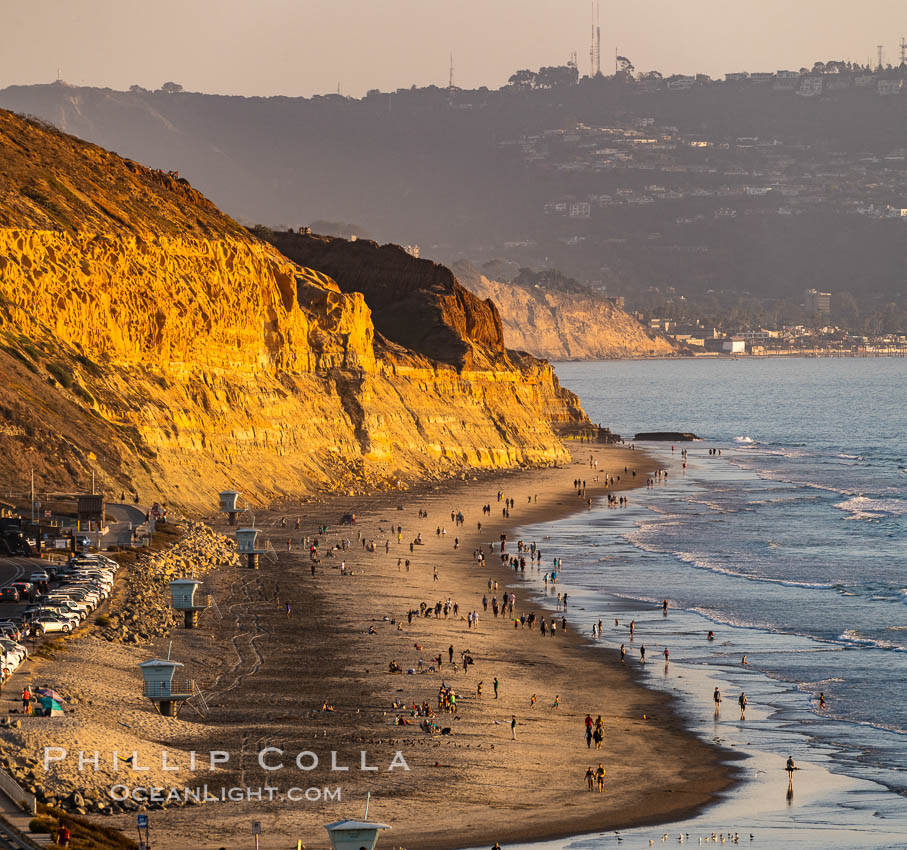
(234, 794)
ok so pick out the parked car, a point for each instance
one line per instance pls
(11, 648)
(9, 594)
(47, 622)
(38, 576)
(16, 543)
(61, 609)
(10, 630)
(98, 558)
(70, 606)
(82, 599)
(9, 662)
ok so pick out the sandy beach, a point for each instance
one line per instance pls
(299, 663)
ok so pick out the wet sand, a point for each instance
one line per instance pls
(267, 673)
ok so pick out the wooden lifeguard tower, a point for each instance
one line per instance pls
(228, 499)
(182, 598)
(245, 542)
(354, 834)
(166, 690)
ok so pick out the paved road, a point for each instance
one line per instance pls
(121, 520)
(14, 569)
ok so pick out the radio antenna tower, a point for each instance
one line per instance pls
(903, 50)
(598, 41)
(450, 81)
(592, 45)
(880, 48)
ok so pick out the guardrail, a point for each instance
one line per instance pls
(19, 796)
(178, 688)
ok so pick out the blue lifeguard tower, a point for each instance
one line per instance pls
(354, 834)
(182, 598)
(245, 543)
(228, 506)
(166, 690)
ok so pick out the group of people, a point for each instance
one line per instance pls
(595, 731)
(741, 701)
(595, 778)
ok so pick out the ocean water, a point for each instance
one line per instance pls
(791, 546)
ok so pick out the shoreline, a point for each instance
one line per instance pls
(471, 787)
(649, 806)
(830, 790)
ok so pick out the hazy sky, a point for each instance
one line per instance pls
(303, 47)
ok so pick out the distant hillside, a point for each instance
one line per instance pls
(150, 341)
(565, 325)
(738, 187)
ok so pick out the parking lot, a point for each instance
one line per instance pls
(16, 569)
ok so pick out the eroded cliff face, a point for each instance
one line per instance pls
(562, 326)
(148, 338)
(416, 303)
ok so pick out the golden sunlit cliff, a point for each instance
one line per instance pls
(567, 325)
(147, 337)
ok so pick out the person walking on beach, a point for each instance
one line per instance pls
(664, 608)
(623, 653)
(450, 653)
(642, 654)
(600, 778)
(557, 701)
(532, 701)
(790, 768)
(590, 778)
(717, 698)
(512, 727)
(495, 687)
(742, 701)
(26, 700)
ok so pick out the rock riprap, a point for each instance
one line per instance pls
(143, 612)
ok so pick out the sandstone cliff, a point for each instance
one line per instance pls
(147, 337)
(566, 326)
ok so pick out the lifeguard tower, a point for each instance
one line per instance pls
(228, 499)
(245, 542)
(166, 690)
(182, 598)
(354, 834)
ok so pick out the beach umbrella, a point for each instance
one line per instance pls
(51, 707)
(48, 692)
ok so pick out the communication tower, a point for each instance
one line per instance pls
(595, 42)
(598, 41)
